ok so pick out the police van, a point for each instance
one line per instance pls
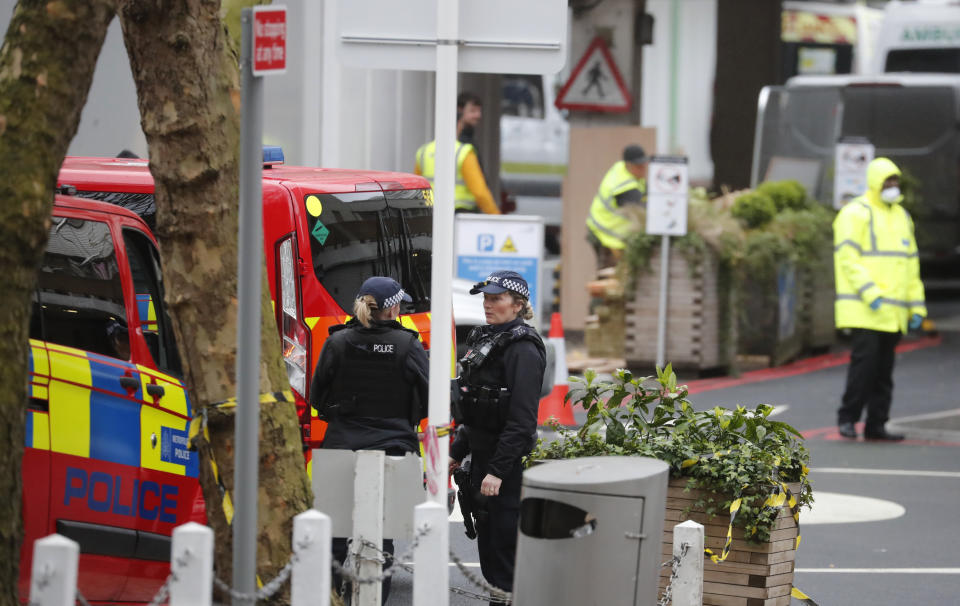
(105, 461)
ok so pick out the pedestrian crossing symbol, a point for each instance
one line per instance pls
(595, 83)
(508, 246)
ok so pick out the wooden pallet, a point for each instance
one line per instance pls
(753, 574)
(700, 330)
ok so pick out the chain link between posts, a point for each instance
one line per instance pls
(674, 563)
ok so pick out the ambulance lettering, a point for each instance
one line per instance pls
(105, 493)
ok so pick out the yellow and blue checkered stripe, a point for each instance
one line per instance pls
(147, 312)
(92, 415)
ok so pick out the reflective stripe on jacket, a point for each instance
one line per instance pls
(875, 256)
(426, 160)
(605, 220)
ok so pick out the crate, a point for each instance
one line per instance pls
(604, 328)
(700, 334)
(754, 574)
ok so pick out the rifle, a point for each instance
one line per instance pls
(465, 496)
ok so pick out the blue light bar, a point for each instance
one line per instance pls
(272, 154)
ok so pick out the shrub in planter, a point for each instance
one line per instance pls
(787, 194)
(726, 454)
(755, 209)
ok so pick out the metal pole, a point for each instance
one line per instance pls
(330, 93)
(662, 311)
(441, 280)
(250, 250)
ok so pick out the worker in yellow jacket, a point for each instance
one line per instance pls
(879, 295)
(624, 184)
(471, 194)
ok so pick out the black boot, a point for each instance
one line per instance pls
(847, 430)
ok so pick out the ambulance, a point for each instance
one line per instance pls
(106, 461)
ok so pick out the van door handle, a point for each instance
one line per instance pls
(129, 383)
(155, 390)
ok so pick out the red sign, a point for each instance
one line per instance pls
(269, 40)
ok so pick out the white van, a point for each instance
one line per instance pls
(913, 119)
(534, 137)
(919, 37)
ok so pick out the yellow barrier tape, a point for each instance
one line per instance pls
(796, 593)
(781, 494)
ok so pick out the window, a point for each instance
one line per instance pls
(147, 284)
(895, 118)
(144, 205)
(522, 96)
(79, 297)
(363, 234)
(938, 60)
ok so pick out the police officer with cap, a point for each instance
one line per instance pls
(501, 375)
(370, 383)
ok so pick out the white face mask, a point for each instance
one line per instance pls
(890, 195)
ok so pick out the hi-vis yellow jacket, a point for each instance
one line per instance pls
(875, 256)
(605, 219)
(470, 192)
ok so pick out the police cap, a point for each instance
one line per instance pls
(502, 281)
(386, 291)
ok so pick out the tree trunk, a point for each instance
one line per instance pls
(189, 99)
(46, 67)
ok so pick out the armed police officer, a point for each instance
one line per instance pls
(370, 384)
(501, 376)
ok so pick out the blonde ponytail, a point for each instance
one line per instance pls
(363, 309)
(527, 312)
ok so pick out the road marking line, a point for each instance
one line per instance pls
(929, 415)
(882, 570)
(889, 472)
(468, 564)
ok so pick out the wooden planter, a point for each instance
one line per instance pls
(754, 574)
(768, 319)
(817, 294)
(701, 333)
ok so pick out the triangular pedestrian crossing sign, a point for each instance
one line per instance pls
(595, 83)
(508, 246)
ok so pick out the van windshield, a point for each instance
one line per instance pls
(357, 235)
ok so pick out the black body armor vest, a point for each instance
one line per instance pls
(371, 381)
(484, 398)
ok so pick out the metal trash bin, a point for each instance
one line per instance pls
(590, 532)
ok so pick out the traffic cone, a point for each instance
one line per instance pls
(553, 405)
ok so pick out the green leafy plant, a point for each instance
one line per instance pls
(737, 453)
(755, 209)
(787, 194)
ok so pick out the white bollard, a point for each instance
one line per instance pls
(368, 523)
(53, 580)
(310, 577)
(431, 576)
(688, 588)
(191, 565)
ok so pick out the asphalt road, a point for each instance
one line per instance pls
(883, 529)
